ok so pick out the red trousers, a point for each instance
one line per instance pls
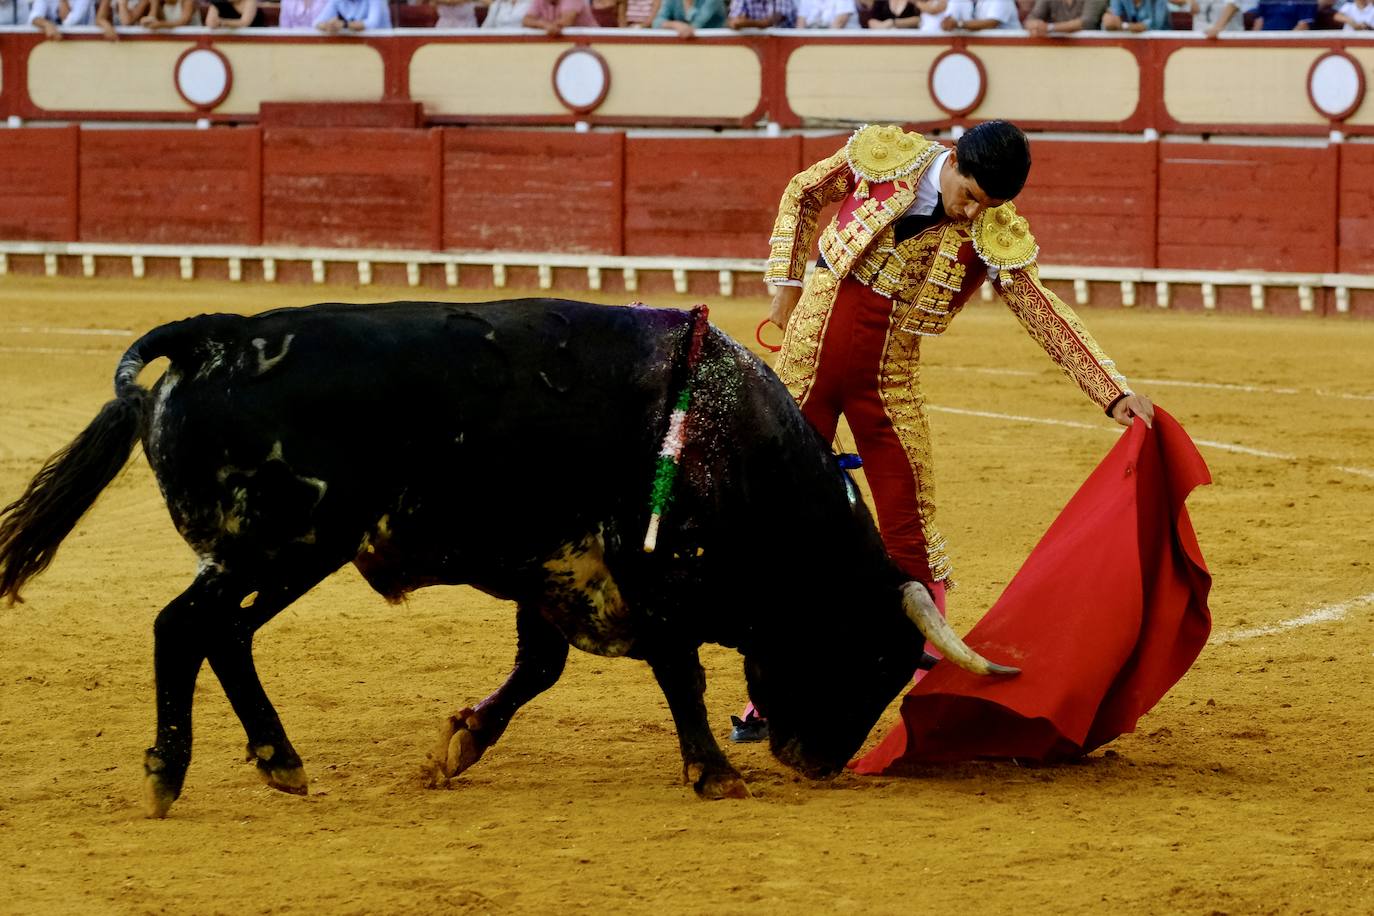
(869, 373)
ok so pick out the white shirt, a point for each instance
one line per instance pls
(1004, 11)
(82, 12)
(1363, 16)
(507, 14)
(819, 14)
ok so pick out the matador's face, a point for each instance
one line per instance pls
(964, 199)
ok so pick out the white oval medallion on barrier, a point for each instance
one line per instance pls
(957, 82)
(1335, 85)
(202, 77)
(581, 79)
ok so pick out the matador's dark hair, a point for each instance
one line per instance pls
(996, 154)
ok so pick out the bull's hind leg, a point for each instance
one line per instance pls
(540, 654)
(683, 681)
(215, 619)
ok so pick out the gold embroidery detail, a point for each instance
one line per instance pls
(1003, 239)
(844, 245)
(900, 390)
(807, 193)
(801, 343)
(879, 153)
(924, 275)
(1058, 330)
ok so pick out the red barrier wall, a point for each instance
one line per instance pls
(38, 184)
(705, 198)
(1093, 203)
(1225, 207)
(1211, 206)
(518, 190)
(1355, 252)
(170, 187)
(360, 188)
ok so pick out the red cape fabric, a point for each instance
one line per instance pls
(1107, 613)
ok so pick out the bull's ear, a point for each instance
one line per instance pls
(920, 607)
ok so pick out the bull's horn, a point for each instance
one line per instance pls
(922, 611)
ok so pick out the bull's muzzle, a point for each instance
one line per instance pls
(921, 609)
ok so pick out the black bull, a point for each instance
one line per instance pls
(510, 446)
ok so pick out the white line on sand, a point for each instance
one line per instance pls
(93, 332)
(1328, 613)
(1182, 383)
(65, 351)
(1098, 427)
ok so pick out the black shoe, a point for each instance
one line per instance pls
(749, 729)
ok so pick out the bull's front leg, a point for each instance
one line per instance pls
(683, 682)
(541, 651)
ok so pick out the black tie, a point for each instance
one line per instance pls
(911, 226)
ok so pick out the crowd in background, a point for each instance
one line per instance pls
(1034, 17)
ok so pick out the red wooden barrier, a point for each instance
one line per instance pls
(705, 198)
(357, 188)
(1093, 203)
(1224, 207)
(38, 184)
(1355, 253)
(1214, 206)
(533, 191)
(165, 187)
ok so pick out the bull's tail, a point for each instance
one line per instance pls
(33, 526)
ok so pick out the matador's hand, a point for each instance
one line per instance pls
(785, 299)
(1131, 406)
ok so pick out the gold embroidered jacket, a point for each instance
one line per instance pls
(930, 276)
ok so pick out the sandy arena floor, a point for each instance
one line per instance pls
(1249, 789)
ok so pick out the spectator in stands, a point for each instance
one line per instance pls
(298, 14)
(609, 14)
(826, 14)
(641, 14)
(506, 14)
(1285, 15)
(686, 16)
(553, 16)
(1212, 17)
(451, 14)
(762, 14)
(234, 14)
(51, 16)
(348, 15)
(981, 15)
(893, 14)
(933, 15)
(1137, 16)
(1060, 17)
(1356, 15)
(161, 14)
(131, 14)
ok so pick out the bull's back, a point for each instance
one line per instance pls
(532, 408)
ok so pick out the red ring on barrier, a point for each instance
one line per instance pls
(758, 335)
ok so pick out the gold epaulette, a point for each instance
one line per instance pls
(879, 153)
(1003, 239)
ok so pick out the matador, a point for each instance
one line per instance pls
(919, 229)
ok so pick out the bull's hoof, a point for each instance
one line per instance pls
(456, 751)
(280, 769)
(716, 784)
(157, 796)
(160, 786)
